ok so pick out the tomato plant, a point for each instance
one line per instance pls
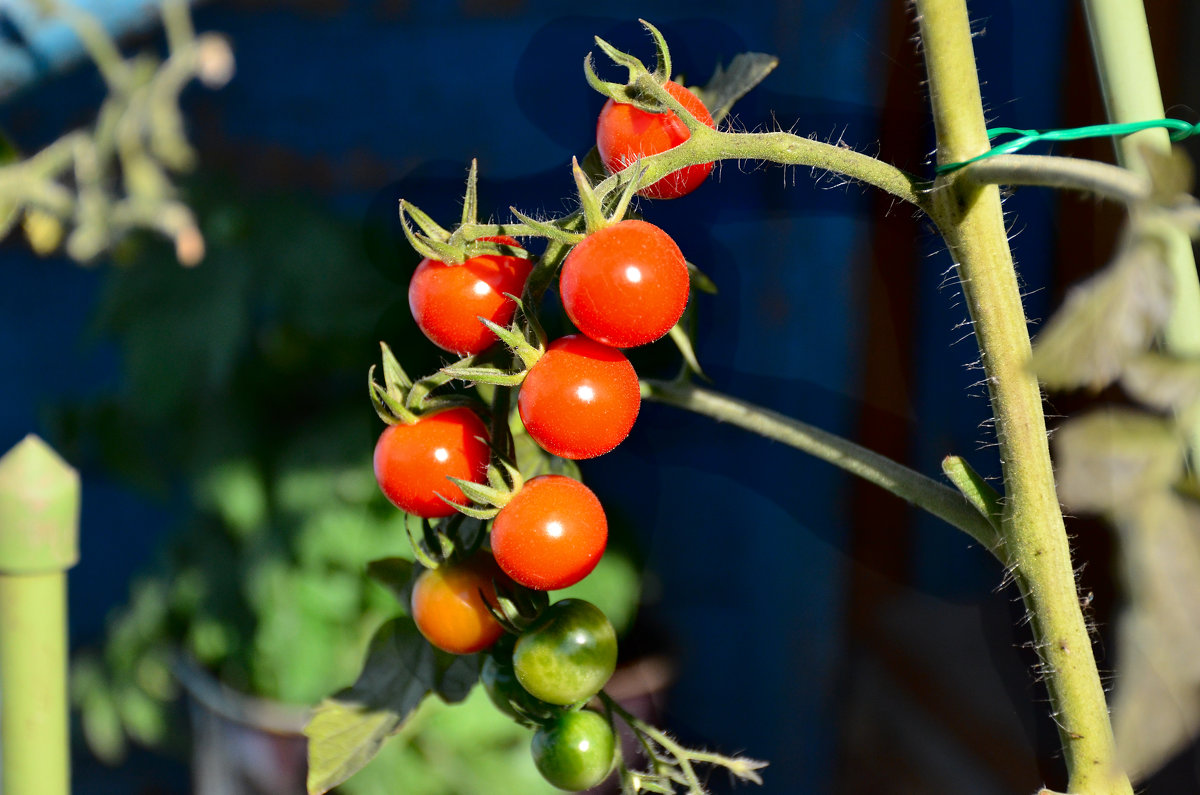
(625, 133)
(448, 605)
(447, 300)
(551, 534)
(576, 751)
(581, 398)
(413, 460)
(626, 284)
(567, 654)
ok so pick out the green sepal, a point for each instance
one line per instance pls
(683, 341)
(516, 341)
(389, 399)
(635, 172)
(481, 494)
(548, 229)
(424, 244)
(700, 281)
(477, 248)
(470, 210)
(418, 399)
(431, 548)
(427, 225)
(593, 215)
(485, 375)
(394, 377)
(516, 606)
(662, 54)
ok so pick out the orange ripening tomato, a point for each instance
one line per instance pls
(449, 609)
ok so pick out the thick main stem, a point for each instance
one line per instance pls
(971, 220)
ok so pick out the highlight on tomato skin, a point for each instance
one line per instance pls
(626, 284)
(625, 133)
(580, 399)
(551, 534)
(448, 300)
(450, 611)
(413, 460)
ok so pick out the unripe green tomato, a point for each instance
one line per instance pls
(500, 682)
(568, 654)
(576, 751)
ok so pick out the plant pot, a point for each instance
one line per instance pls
(242, 745)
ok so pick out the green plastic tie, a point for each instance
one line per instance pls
(1179, 130)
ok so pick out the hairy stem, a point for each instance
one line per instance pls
(941, 501)
(970, 218)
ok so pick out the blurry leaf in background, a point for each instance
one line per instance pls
(1106, 321)
(401, 668)
(1109, 459)
(1156, 706)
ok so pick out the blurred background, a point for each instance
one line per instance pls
(219, 417)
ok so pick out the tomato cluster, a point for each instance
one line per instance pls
(623, 283)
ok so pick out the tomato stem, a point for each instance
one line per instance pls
(936, 498)
(971, 220)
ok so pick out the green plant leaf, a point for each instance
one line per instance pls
(400, 670)
(1106, 321)
(1156, 706)
(728, 85)
(1163, 382)
(395, 574)
(1110, 459)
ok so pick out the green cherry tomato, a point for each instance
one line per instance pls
(575, 751)
(500, 682)
(568, 654)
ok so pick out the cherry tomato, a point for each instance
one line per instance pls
(448, 605)
(576, 751)
(580, 399)
(625, 133)
(448, 300)
(412, 461)
(625, 284)
(568, 654)
(500, 682)
(551, 534)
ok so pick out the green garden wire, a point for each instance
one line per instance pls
(1179, 130)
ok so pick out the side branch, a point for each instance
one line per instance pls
(936, 498)
(793, 150)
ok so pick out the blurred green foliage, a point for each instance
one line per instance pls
(244, 385)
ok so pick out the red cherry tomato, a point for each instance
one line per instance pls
(625, 133)
(413, 461)
(448, 605)
(448, 300)
(580, 399)
(551, 534)
(625, 284)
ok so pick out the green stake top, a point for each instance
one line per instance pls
(39, 510)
